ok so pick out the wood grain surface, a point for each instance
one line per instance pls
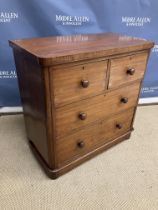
(119, 69)
(96, 108)
(93, 136)
(65, 49)
(33, 98)
(79, 94)
(66, 83)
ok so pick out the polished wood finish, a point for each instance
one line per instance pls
(73, 83)
(65, 49)
(93, 136)
(54, 173)
(126, 69)
(130, 71)
(95, 108)
(84, 83)
(33, 95)
(79, 94)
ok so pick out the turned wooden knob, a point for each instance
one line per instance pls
(82, 116)
(80, 144)
(124, 100)
(119, 125)
(84, 83)
(130, 71)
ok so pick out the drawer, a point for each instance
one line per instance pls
(127, 69)
(69, 84)
(91, 137)
(80, 114)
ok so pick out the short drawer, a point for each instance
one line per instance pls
(72, 83)
(127, 69)
(91, 137)
(82, 113)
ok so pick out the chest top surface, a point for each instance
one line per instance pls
(60, 49)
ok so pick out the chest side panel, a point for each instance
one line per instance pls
(32, 91)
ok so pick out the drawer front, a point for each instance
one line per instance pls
(74, 83)
(127, 69)
(82, 113)
(83, 141)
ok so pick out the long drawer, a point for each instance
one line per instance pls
(83, 141)
(82, 113)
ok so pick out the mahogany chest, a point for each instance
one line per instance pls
(79, 94)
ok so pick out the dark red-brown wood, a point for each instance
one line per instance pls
(79, 94)
(62, 49)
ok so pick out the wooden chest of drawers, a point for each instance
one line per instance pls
(79, 94)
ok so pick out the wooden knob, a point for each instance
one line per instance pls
(84, 83)
(119, 125)
(80, 144)
(82, 116)
(130, 71)
(124, 100)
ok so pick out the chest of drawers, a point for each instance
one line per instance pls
(79, 94)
